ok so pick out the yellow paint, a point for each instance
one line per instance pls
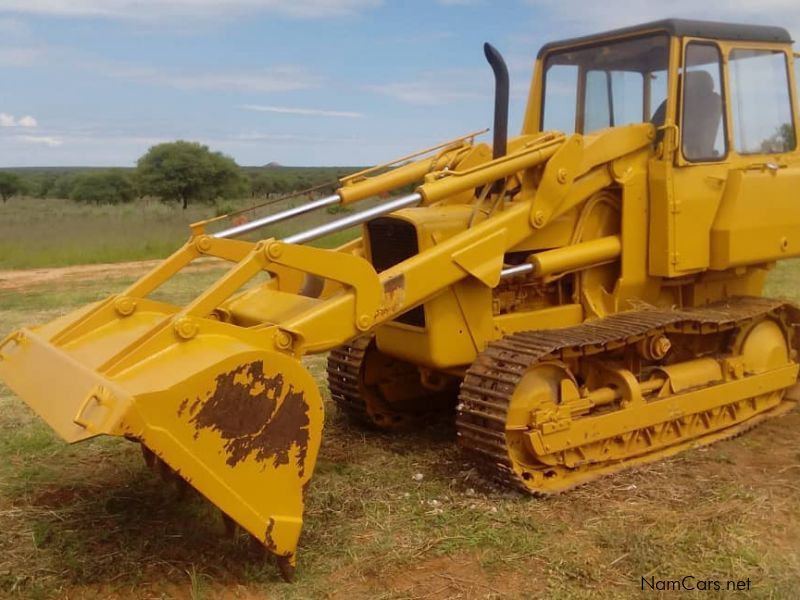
(613, 220)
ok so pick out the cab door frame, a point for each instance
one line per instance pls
(758, 221)
(698, 184)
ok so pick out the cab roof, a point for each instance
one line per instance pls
(683, 27)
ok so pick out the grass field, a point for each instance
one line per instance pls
(37, 232)
(90, 521)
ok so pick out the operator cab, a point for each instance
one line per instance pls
(637, 74)
(723, 99)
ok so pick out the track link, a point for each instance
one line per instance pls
(344, 379)
(384, 392)
(490, 382)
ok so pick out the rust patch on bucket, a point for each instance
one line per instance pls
(182, 406)
(244, 409)
(268, 541)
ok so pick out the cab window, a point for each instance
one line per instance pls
(702, 125)
(613, 98)
(605, 85)
(561, 96)
(760, 102)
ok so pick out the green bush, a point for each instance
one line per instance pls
(10, 185)
(102, 187)
(62, 186)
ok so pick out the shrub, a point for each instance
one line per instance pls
(103, 187)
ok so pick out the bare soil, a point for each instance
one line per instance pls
(19, 280)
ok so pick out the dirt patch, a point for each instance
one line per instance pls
(457, 576)
(765, 461)
(55, 498)
(17, 280)
(172, 591)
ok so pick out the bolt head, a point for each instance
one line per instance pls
(538, 218)
(275, 250)
(562, 174)
(125, 306)
(283, 340)
(661, 346)
(203, 243)
(186, 328)
(364, 322)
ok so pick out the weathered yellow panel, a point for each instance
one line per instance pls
(759, 218)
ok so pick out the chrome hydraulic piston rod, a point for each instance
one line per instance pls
(354, 219)
(277, 217)
(568, 258)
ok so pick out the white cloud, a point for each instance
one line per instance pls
(160, 9)
(265, 80)
(21, 56)
(7, 120)
(44, 140)
(13, 28)
(314, 112)
(279, 137)
(426, 92)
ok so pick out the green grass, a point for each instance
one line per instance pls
(53, 233)
(47, 233)
(784, 280)
(90, 521)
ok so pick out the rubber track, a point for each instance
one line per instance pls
(490, 381)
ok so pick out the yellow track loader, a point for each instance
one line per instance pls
(587, 295)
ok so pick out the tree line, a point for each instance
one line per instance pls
(181, 172)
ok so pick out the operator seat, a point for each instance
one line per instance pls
(702, 110)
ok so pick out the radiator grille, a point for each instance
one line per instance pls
(391, 241)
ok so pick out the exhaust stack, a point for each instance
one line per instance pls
(500, 128)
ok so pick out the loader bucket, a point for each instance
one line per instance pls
(234, 417)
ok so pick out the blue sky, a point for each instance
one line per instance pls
(300, 82)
